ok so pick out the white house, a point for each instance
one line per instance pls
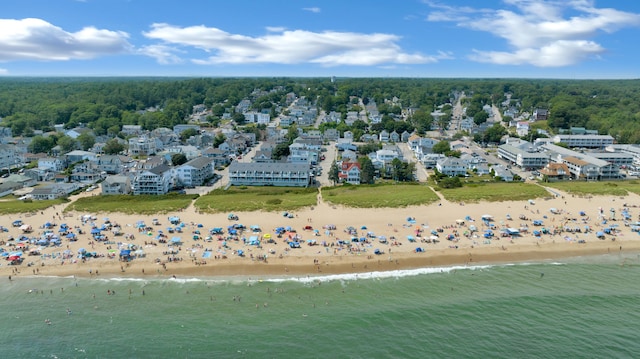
(195, 172)
(349, 172)
(156, 180)
(451, 166)
(51, 164)
(116, 184)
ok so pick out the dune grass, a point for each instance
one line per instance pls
(379, 195)
(493, 192)
(609, 188)
(14, 205)
(144, 204)
(244, 198)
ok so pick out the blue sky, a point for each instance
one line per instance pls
(354, 38)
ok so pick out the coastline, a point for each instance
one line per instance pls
(271, 260)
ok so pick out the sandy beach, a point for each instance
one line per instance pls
(441, 234)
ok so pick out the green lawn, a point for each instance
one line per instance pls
(10, 205)
(613, 188)
(379, 195)
(493, 192)
(144, 204)
(244, 198)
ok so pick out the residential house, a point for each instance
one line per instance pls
(269, 174)
(257, 117)
(383, 136)
(331, 134)
(451, 166)
(394, 137)
(7, 188)
(143, 145)
(194, 172)
(555, 171)
(349, 156)
(178, 129)
(132, 130)
(243, 106)
(8, 156)
(504, 173)
(53, 191)
(78, 156)
(113, 164)
(77, 131)
(218, 156)
(540, 114)
(156, 180)
(349, 172)
(522, 128)
(480, 169)
(299, 153)
(53, 164)
(116, 184)
(22, 180)
(263, 156)
(430, 160)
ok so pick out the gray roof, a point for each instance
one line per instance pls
(198, 162)
(159, 169)
(276, 166)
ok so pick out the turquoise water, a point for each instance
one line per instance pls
(579, 308)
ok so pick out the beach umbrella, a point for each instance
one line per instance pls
(81, 250)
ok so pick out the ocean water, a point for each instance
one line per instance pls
(576, 308)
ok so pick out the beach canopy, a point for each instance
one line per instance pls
(176, 240)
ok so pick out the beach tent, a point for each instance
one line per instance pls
(537, 222)
(377, 251)
(411, 238)
(176, 240)
(600, 234)
(253, 241)
(419, 250)
(513, 231)
(487, 217)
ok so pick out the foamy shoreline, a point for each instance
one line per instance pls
(318, 260)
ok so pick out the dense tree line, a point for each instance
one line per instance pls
(105, 104)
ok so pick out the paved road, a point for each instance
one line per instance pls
(421, 172)
(330, 155)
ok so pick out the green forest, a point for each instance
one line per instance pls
(105, 104)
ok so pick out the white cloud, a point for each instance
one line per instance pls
(36, 39)
(329, 48)
(556, 54)
(312, 9)
(4, 71)
(538, 31)
(165, 55)
(275, 28)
